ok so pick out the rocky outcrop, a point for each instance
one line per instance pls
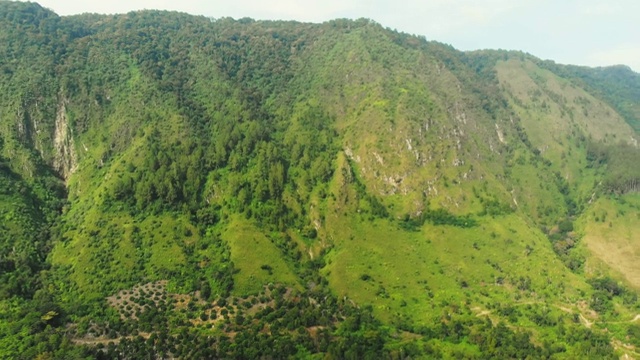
(65, 160)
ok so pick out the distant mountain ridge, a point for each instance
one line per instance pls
(186, 187)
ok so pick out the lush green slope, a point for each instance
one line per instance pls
(284, 189)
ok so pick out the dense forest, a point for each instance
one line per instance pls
(177, 186)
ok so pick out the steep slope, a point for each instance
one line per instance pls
(618, 85)
(272, 188)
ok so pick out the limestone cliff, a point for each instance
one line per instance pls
(65, 160)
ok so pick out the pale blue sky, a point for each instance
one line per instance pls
(582, 32)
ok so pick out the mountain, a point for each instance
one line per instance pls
(180, 186)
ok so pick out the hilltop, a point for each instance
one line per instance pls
(206, 188)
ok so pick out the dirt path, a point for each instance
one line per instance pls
(96, 341)
(636, 318)
(481, 312)
(103, 341)
(586, 321)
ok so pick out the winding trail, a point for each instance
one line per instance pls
(636, 318)
(587, 323)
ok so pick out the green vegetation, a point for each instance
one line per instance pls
(616, 84)
(179, 186)
(620, 166)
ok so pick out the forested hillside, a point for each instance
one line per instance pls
(180, 186)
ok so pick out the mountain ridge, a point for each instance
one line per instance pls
(241, 163)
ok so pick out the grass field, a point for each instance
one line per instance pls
(612, 236)
(415, 274)
(258, 260)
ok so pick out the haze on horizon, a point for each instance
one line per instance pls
(580, 32)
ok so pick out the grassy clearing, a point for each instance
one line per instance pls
(415, 275)
(611, 231)
(118, 250)
(259, 261)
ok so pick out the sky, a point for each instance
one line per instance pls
(580, 32)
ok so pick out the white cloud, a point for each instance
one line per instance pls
(603, 8)
(627, 54)
(481, 13)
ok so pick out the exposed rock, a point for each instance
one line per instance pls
(500, 134)
(378, 158)
(65, 160)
